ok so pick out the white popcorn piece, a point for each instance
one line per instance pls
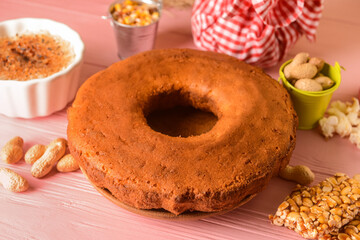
(341, 106)
(344, 120)
(355, 136)
(353, 118)
(328, 125)
(354, 107)
(352, 111)
(344, 127)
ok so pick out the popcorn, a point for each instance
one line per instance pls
(353, 112)
(354, 107)
(343, 128)
(355, 136)
(344, 120)
(328, 125)
(338, 105)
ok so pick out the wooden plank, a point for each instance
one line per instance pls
(65, 206)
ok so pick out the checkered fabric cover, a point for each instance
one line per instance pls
(259, 32)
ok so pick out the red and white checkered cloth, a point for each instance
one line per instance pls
(259, 32)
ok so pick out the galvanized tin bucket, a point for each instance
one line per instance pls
(131, 40)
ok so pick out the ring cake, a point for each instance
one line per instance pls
(251, 140)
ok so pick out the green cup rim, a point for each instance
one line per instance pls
(307, 93)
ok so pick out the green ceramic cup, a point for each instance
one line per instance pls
(311, 106)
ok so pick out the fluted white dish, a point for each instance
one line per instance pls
(42, 96)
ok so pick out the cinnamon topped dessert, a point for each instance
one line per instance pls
(33, 56)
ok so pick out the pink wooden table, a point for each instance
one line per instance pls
(66, 206)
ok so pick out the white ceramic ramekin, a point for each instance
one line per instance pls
(43, 96)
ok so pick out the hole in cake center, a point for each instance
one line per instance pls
(179, 114)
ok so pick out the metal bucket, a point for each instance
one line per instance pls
(131, 40)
